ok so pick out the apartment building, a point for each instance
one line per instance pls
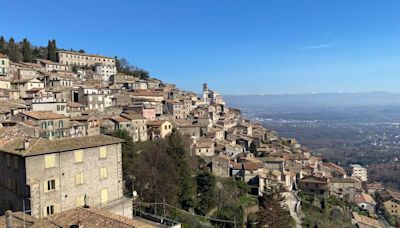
(51, 176)
(51, 125)
(82, 59)
(4, 65)
(359, 172)
(105, 71)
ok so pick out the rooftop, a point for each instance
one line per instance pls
(43, 115)
(39, 146)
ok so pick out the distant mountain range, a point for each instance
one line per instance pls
(315, 100)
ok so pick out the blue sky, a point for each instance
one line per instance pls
(237, 46)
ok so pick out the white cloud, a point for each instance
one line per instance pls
(319, 46)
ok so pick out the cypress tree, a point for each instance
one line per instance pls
(54, 50)
(12, 51)
(26, 51)
(2, 44)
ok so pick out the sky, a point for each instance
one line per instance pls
(236, 46)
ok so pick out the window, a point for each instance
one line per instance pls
(103, 152)
(104, 196)
(51, 185)
(78, 156)
(79, 179)
(49, 161)
(80, 201)
(58, 108)
(103, 173)
(61, 124)
(50, 210)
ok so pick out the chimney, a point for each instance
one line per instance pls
(9, 219)
(26, 144)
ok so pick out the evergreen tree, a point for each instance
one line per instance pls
(26, 51)
(2, 45)
(177, 150)
(205, 189)
(12, 51)
(52, 50)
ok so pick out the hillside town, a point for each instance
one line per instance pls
(62, 164)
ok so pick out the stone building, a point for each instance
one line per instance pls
(58, 175)
(82, 59)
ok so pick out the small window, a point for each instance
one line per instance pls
(79, 179)
(49, 161)
(80, 201)
(103, 173)
(78, 156)
(104, 196)
(103, 152)
(51, 185)
(50, 210)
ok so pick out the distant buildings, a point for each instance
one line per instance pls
(82, 59)
(359, 172)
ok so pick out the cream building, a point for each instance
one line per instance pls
(82, 59)
(55, 176)
(4, 65)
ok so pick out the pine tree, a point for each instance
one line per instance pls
(26, 51)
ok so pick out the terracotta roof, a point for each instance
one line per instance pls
(133, 116)
(247, 165)
(41, 146)
(364, 221)
(43, 115)
(95, 218)
(156, 123)
(120, 119)
(74, 104)
(314, 179)
(364, 198)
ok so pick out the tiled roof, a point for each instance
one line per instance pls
(45, 146)
(43, 115)
(364, 198)
(133, 116)
(95, 218)
(364, 221)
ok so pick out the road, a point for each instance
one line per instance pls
(383, 221)
(291, 201)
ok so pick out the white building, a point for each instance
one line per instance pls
(4, 65)
(106, 71)
(359, 172)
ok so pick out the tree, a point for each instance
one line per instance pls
(205, 182)
(156, 175)
(74, 69)
(180, 154)
(52, 50)
(13, 51)
(272, 213)
(26, 51)
(2, 45)
(81, 51)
